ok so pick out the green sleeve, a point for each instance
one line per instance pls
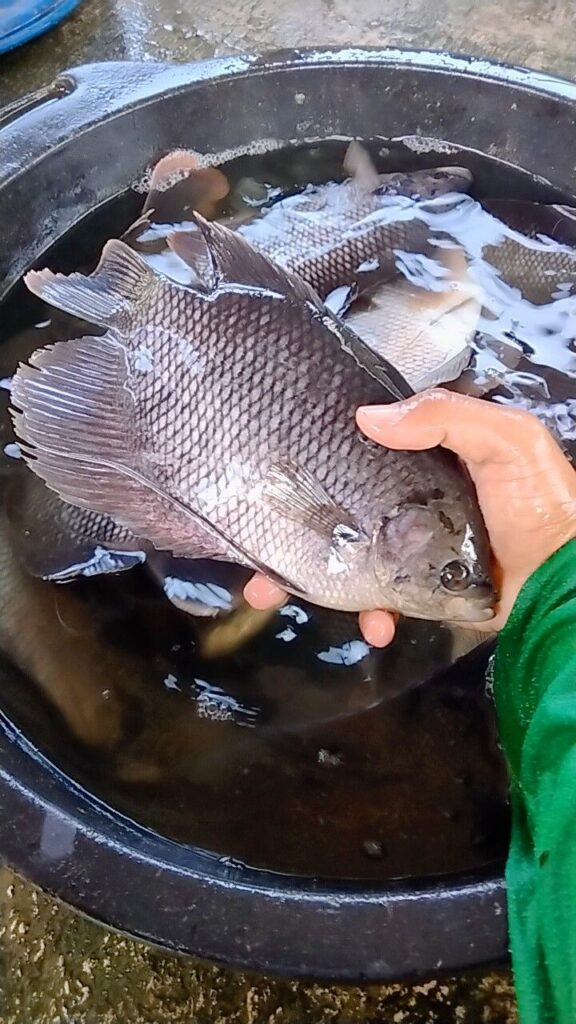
(535, 694)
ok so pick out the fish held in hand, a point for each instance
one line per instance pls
(218, 421)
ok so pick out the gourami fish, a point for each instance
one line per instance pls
(217, 420)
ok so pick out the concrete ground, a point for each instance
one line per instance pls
(56, 967)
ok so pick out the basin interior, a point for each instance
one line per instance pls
(302, 753)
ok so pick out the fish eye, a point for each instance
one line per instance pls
(455, 576)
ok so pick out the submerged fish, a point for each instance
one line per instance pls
(57, 541)
(179, 186)
(538, 255)
(426, 334)
(337, 235)
(212, 591)
(52, 638)
(218, 421)
(348, 235)
(529, 247)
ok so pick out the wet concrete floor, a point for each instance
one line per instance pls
(55, 966)
(537, 33)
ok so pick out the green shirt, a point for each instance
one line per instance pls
(535, 693)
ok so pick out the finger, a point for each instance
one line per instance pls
(476, 430)
(378, 628)
(262, 594)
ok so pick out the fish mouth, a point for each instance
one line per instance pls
(477, 605)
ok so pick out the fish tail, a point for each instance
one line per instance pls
(107, 297)
(359, 165)
(180, 184)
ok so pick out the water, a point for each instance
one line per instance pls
(302, 750)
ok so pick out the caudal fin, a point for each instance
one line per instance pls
(107, 297)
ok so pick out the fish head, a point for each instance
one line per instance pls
(432, 558)
(427, 184)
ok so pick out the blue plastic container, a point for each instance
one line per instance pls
(23, 20)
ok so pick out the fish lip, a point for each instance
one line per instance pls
(456, 609)
(477, 604)
(478, 614)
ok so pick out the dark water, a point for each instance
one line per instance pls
(304, 750)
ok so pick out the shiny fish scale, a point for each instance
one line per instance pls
(271, 378)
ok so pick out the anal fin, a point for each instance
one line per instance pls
(56, 541)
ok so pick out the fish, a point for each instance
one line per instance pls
(414, 328)
(179, 184)
(57, 541)
(348, 235)
(51, 637)
(528, 246)
(217, 421)
(214, 592)
(426, 334)
(538, 254)
(111, 699)
(337, 235)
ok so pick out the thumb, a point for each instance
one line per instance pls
(478, 431)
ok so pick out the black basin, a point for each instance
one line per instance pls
(75, 146)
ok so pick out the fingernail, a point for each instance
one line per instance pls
(373, 416)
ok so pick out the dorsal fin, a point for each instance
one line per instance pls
(193, 249)
(222, 257)
(106, 297)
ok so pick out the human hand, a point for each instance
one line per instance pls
(526, 488)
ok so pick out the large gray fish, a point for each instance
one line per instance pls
(218, 421)
(425, 334)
